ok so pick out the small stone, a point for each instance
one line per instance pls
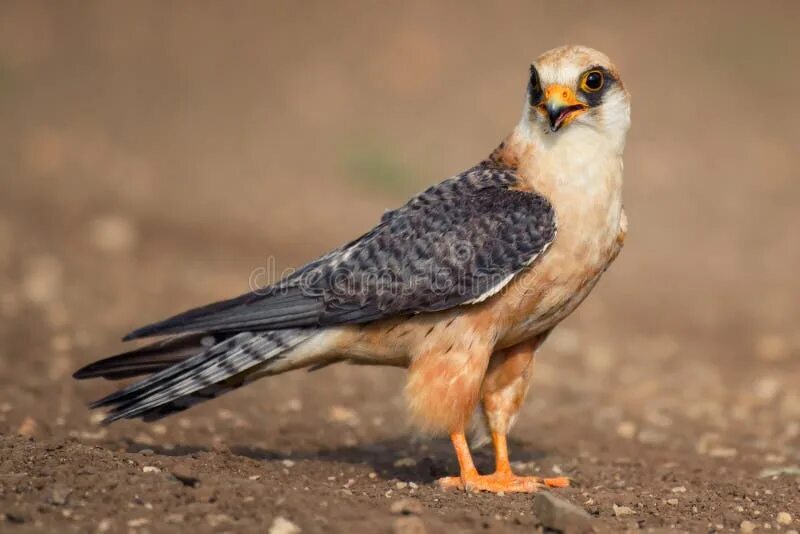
(104, 525)
(216, 520)
(672, 502)
(150, 469)
(766, 389)
(29, 428)
(651, 436)
(281, 525)
(340, 414)
(292, 405)
(138, 522)
(626, 429)
(723, 452)
(784, 518)
(791, 470)
(96, 417)
(679, 489)
(405, 462)
(254, 477)
(288, 463)
(113, 234)
(16, 517)
(146, 452)
(407, 507)
(183, 472)
(560, 515)
(59, 495)
(621, 511)
(174, 518)
(408, 525)
(747, 527)
(401, 485)
(42, 281)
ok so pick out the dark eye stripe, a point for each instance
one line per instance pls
(534, 87)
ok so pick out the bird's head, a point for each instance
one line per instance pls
(575, 87)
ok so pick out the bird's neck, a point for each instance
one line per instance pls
(573, 163)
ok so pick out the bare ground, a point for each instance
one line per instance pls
(155, 156)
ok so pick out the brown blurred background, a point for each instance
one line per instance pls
(153, 154)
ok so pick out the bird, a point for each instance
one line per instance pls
(461, 285)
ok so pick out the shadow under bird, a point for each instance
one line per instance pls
(460, 285)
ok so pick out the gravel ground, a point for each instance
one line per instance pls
(670, 397)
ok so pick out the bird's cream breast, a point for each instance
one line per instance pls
(585, 191)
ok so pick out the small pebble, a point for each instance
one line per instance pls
(560, 515)
(281, 525)
(29, 428)
(673, 502)
(59, 495)
(341, 414)
(784, 518)
(723, 452)
(747, 527)
(621, 511)
(150, 469)
(216, 520)
(113, 234)
(679, 489)
(184, 473)
(626, 429)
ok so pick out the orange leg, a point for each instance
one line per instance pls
(504, 388)
(502, 480)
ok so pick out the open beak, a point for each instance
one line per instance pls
(561, 106)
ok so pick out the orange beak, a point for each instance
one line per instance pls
(561, 106)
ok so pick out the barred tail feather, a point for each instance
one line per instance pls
(211, 372)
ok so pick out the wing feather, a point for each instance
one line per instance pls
(456, 243)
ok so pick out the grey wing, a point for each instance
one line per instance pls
(454, 244)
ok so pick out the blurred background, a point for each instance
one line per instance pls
(153, 155)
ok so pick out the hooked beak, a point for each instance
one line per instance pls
(561, 106)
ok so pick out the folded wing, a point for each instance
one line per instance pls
(456, 243)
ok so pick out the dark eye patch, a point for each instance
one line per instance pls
(535, 92)
(594, 98)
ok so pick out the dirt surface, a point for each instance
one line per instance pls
(155, 156)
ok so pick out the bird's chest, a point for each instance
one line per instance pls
(590, 232)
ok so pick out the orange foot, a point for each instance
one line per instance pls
(505, 482)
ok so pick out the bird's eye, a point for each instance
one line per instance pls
(592, 81)
(534, 87)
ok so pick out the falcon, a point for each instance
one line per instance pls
(461, 285)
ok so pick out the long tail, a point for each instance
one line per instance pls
(188, 370)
